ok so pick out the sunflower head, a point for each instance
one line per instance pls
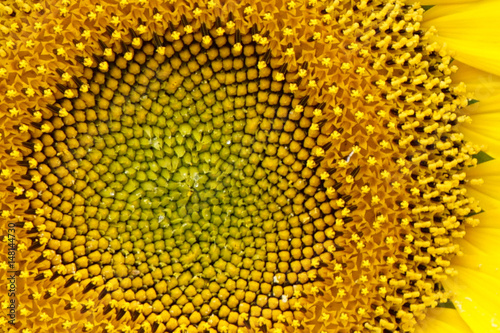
(240, 167)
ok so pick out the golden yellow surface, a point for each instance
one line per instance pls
(350, 112)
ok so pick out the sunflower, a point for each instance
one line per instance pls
(256, 166)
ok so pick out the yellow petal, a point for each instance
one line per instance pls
(488, 194)
(487, 104)
(470, 31)
(483, 86)
(476, 287)
(484, 131)
(443, 320)
(476, 290)
(439, 2)
(483, 239)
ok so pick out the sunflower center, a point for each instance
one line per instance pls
(203, 180)
(193, 182)
(193, 192)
